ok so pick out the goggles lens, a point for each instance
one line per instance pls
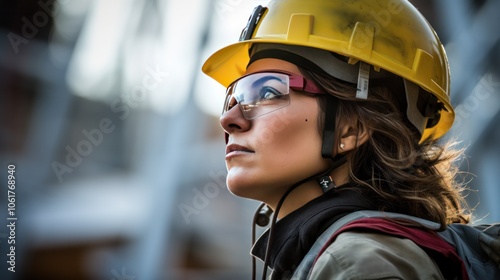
(261, 93)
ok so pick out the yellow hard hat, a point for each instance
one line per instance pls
(387, 34)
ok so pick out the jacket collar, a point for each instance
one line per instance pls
(296, 233)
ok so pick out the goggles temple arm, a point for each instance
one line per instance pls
(302, 84)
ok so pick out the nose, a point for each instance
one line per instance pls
(233, 121)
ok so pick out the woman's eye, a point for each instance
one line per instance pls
(269, 93)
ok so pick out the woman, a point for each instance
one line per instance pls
(334, 107)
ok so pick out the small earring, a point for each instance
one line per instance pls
(342, 146)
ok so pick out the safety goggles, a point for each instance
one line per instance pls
(264, 92)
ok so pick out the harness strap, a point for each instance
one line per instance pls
(305, 267)
(437, 248)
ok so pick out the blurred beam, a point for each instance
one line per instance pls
(474, 38)
(166, 162)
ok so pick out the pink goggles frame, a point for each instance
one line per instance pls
(251, 109)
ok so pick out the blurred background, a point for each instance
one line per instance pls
(114, 134)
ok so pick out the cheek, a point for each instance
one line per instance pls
(297, 148)
(290, 144)
(288, 149)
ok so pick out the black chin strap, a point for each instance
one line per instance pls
(329, 142)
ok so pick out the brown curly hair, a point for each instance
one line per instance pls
(403, 175)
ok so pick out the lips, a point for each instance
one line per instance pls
(237, 148)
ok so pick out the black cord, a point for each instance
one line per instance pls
(256, 217)
(271, 229)
(336, 162)
(275, 217)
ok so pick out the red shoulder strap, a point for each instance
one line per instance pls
(438, 249)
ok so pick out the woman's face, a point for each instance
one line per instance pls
(268, 154)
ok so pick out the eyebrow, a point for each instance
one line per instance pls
(261, 81)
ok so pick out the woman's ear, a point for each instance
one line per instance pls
(352, 137)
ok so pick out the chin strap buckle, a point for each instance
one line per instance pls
(326, 183)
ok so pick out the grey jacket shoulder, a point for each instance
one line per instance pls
(355, 255)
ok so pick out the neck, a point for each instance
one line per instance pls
(299, 197)
(309, 191)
